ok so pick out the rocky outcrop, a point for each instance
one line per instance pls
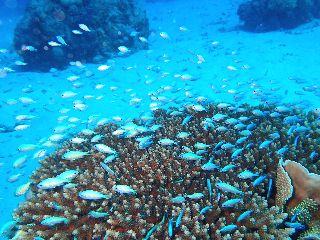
(49, 35)
(268, 15)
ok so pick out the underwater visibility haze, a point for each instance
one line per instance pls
(159, 119)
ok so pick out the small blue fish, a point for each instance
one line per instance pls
(190, 156)
(205, 210)
(93, 195)
(145, 142)
(294, 217)
(313, 155)
(228, 188)
(290, 130)
(291, 120)
(218, 146)
(282, 150)
(186, 120)
(68, 174)
(236, 154)
(265, 144)
(231, 121)
(179, 218)
(282, 109)
(178, 199)
(295, 225)
(296, 141)
(183, 135)
(151, 231)
(96, 214)
(258, 113)
(227, 146)
(227, 167)
(274, 135)
(251, 126)
(53, 221)
(209, 166)
(107, 169)
(246, 174)
(231, 202)
(219, 117)
(240, 126)
(270, 188)
(249, 145)
(301, 129)
(61, 40)
(222, 129)
(241, 140)
(170, 228)
(245, 133)
(124, 189)
(209, 186)
(156, 127)
(275, 114)
(96, 138)
(228, 228)
(259, 180)
(201, 152)
(201, 146)
(218, 197)
(195, 196)
(51, 183)
(110, 158)
(155, 227)
(244, 215)
(166, 142)
(8, 229)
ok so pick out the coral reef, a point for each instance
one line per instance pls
(313, 233)
(195, 172)
(283, 185)
(49, 34)
(304, 211)
(268, 15)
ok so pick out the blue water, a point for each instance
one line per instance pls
(274, 67)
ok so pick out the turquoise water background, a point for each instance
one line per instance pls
(280, 67)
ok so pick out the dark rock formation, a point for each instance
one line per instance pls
(268, 15)
(112, 23)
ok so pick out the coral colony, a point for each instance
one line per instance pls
(202, 171)
(58, 35)
(268, 15)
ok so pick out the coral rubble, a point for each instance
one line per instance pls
(195, 172)
(268, 15)
(53, 33)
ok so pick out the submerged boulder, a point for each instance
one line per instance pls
(269, 15)
(49, 35)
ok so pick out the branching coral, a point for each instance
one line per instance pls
(304, 211)
(284, 186)
(206, 184)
